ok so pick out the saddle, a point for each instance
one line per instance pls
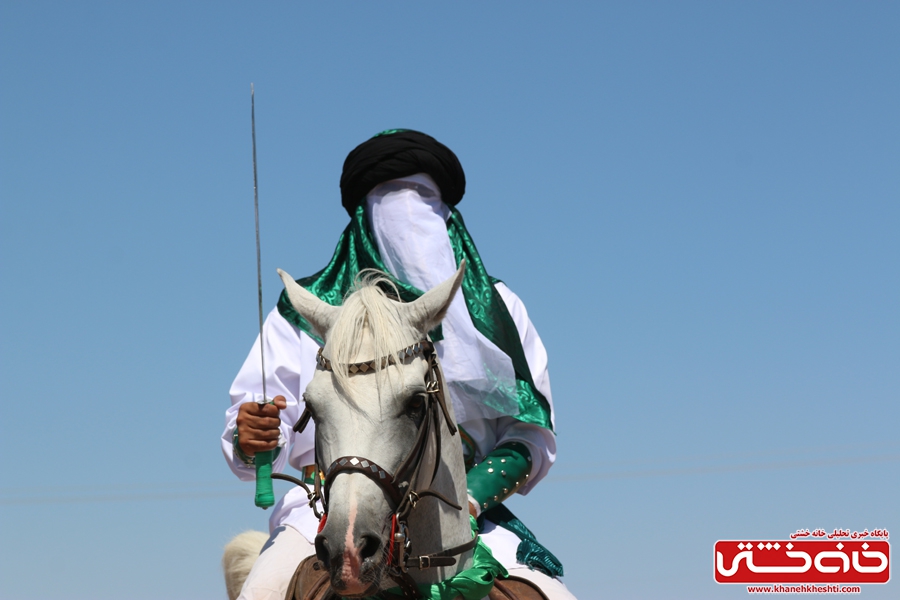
(311, 582)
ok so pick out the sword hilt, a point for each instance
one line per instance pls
(265, 494)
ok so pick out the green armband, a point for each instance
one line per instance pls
(249, 461)
(499, 475)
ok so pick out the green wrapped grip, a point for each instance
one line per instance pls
(265, 495)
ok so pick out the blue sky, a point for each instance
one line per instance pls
(699, 204)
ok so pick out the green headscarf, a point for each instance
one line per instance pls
(356, 250)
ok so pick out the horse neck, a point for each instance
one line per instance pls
(433, 525)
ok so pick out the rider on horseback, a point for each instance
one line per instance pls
(400, 189)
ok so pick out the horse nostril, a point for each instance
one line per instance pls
(371, 546)
(322, 551)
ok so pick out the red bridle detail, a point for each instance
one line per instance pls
(322, 523)
(390, 557)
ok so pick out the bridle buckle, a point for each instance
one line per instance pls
(401, 545)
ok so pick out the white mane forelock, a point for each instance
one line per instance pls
(367, 309)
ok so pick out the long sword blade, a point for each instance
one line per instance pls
(265, 495)
(262, 354)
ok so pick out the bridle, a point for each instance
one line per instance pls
(402, 486)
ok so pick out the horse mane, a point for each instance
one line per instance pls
(367, 307)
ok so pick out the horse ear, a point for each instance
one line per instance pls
(320, 314)
(429, 310)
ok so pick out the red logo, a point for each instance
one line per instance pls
(803, 561)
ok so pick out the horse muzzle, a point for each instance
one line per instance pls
(356, 562)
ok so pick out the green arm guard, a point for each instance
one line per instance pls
(265, 495)
(499, 475)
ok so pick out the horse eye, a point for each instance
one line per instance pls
(416, 402)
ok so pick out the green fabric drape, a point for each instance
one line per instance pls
(356, 250)
(530, 551)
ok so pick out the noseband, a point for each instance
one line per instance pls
(401, 486)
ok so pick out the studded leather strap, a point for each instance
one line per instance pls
(370, 469)
(390, 359)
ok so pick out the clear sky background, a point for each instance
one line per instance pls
(698, 203)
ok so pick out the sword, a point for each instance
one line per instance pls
(265, 496)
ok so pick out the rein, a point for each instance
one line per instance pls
(401, 486)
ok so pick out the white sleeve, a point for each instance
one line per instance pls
(290, 363)
(541, 442)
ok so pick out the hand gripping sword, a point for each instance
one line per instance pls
(265, 496)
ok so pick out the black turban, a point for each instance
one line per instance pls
(399, 153)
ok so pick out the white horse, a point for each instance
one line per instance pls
(386, 416)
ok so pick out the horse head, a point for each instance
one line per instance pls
(379, 436)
